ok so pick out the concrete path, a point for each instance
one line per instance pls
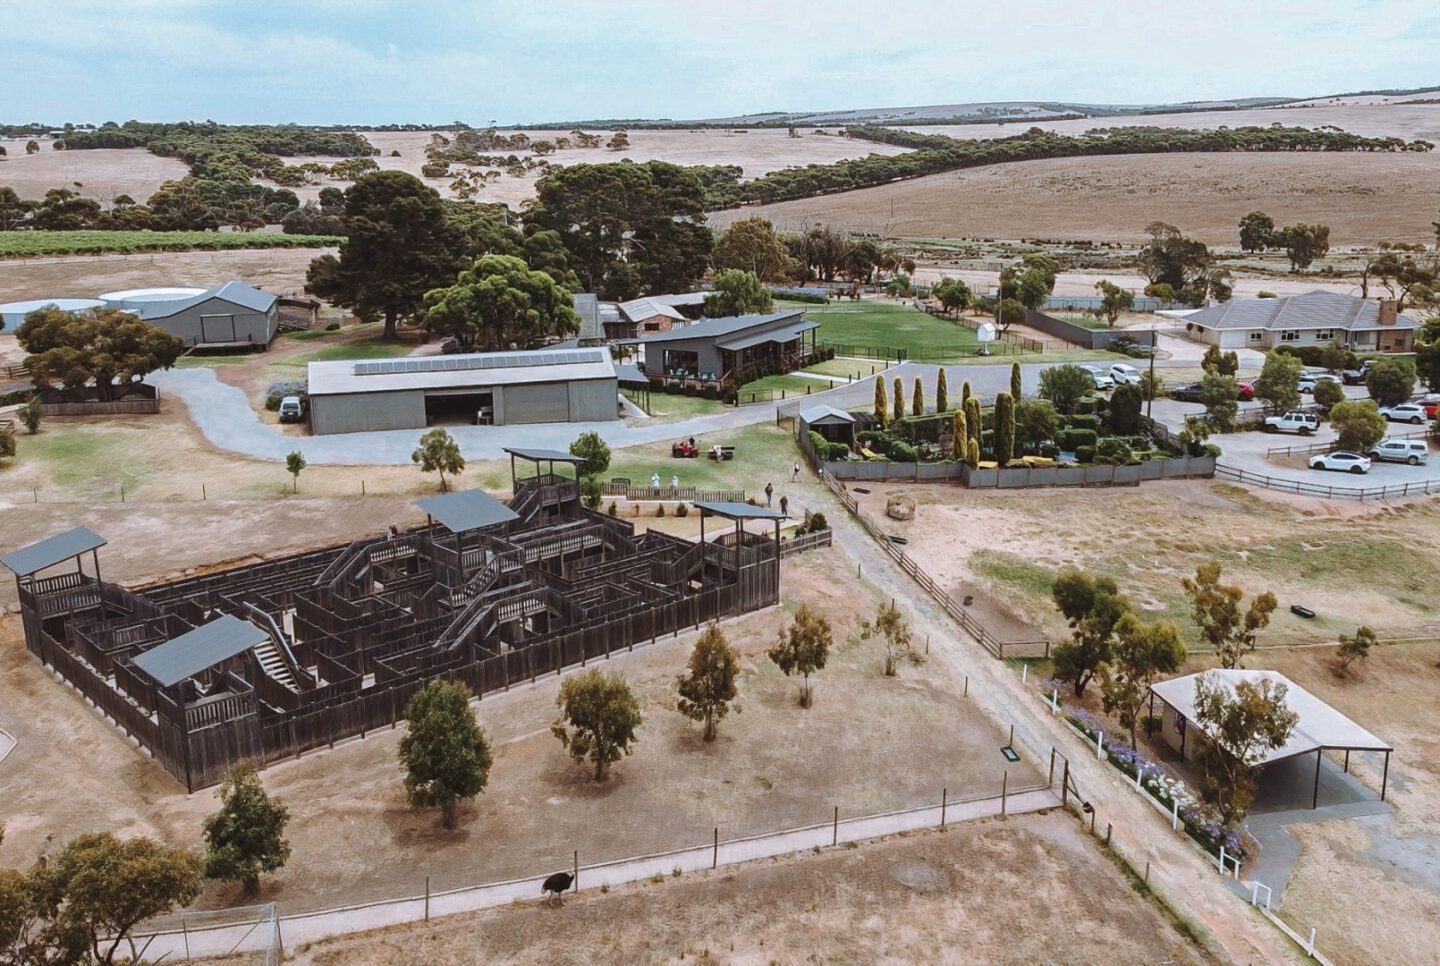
(193, 942)
(7, 744)
(224, 415)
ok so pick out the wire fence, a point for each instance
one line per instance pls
(1299, 488)
(1313, 448)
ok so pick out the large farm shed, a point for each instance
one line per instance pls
(235, 315)
(269, 660)
(489, 388)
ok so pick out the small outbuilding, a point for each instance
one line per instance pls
(479, 388)
(835, 425)
(1319, 727)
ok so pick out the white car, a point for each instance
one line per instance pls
(1341, 461)
(1125, 375)
(1412, 451)
(1404, 413)
(1101, 377)
(1307, 382)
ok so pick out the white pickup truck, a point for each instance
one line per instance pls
(1303, 423)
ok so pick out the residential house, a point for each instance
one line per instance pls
(1313, 318)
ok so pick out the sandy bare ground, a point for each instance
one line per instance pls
(1364, 198)
(1368, 116)
(758, 152)
(102, 173)
(1373, 565)
(281, 271)
(947, 896)
(870, 744)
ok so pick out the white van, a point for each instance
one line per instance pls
(1412, 451)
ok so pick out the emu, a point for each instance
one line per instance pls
(557, 884)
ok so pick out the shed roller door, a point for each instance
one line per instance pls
(544, 403)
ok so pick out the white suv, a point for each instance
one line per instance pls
(1303, 423)
(1125, 375)
(1404, 413)
(1101, 377)
(1412, 451)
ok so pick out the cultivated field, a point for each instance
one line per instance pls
(757, 151)
(869, 744)
(954, 895)
(1364, 198)
(1374, 116)
(84, 276)
(102, 173)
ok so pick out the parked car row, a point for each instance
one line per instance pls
(1191, 392)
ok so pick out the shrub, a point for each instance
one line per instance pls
(1084, 421)
(1114, 451)
(613, 511)
(1266, 295)
(333, 327)
(1084, 454)
(660, 510)
(817, 523)
(902, 452)
(682, 509)
(1071, 440)
(279, 390)
(1049, 450)
(590, 491)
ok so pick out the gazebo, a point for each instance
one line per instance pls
(1319, 727)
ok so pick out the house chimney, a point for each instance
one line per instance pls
(1389, 309)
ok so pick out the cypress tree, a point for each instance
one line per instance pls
(1015, 391)
(973, 454)
(882, 405)
(1004, 428)
(972, 419)
(960, 436)
(942, 394)
(917, 399)
(899, 400)
(964, 392)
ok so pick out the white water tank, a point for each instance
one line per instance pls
(13, 313)
(134, 298)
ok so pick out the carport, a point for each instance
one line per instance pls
(1318, 728)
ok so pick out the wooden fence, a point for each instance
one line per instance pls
(624, 488)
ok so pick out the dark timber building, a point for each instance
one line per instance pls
(266, 661)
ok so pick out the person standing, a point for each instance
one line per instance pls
(785, 506)
(769, 494)
(795, 473)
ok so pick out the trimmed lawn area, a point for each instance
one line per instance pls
(667, 407)
(763, 454)
(845, 369)
(789, 385)
(894, 324)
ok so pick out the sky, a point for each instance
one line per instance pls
(516, 61)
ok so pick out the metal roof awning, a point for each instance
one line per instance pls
(544, 455)
(51, 551)
(467, 510)
(1318, 725)
(788, 334)
(629, 372)
(816, 414)
(195, 651)
(738, 511)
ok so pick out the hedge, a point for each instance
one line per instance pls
(1071, 440)
(1084, 454)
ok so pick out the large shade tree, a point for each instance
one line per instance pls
(445, 753)
(500, 303)
(752, 245)
(106, 348)
(399, 246)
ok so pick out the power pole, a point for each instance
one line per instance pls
(1150, 396)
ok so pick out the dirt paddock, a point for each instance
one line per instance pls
(957, 896)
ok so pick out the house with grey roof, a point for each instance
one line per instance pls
(1310, 319)
(232, 316)
(713, 351)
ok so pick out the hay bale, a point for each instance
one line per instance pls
(900, 507)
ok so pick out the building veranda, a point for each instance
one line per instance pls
(269, 660)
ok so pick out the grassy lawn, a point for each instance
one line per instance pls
(666, 407)
(1085, 321)
(210, 362)
(787, 387)
(891, 324)
(763, 453)
(846, 369)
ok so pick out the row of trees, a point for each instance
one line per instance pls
(933, 154)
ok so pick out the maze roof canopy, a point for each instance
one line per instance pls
(739, 511)
(51, 551)
(204, 647)
(466, 510)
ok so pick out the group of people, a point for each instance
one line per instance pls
(784, 500)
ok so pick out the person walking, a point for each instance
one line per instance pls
(655, 480)
(795, 473)
(785, 506)
(769, 494)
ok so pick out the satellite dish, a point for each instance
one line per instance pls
(985, 335)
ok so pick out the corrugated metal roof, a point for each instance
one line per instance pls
(236, 293)
(476, 369)
(51, 551)
(740, 511)
(544, 455)
(467, 510)
(788, 334)
(204, 647)
(629, 372)
(587, 306)
(814, 414)
(1319, 725)
(730, 325)
(1311, 310)
(638, 310)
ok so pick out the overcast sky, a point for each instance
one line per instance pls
(369, 61)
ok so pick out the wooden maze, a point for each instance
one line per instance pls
(269, 660)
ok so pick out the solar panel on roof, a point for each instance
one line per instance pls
(497, 360)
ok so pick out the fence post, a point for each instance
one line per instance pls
(1065, 785)
(1222, 860)
(427, 898)
(1004, 792)
(185, 931)
(1050, 776)
(1109, 827)
(1100, 745)
(715, 853)
(203, 495)
(1174, 814)
(944, 800)
(575, 872)
(835, 827)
